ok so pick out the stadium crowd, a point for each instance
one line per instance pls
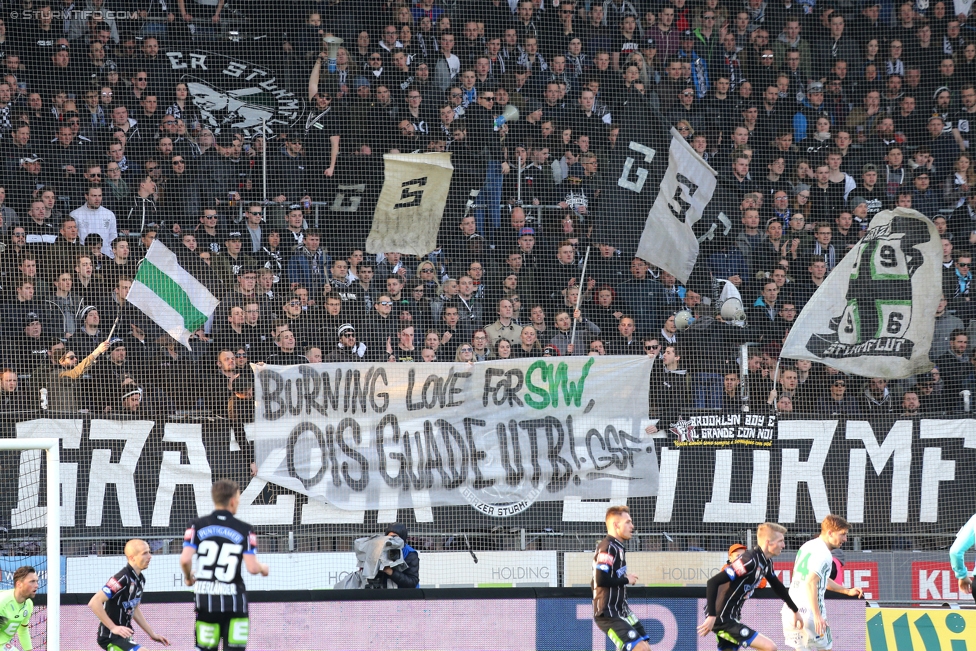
(816, 115)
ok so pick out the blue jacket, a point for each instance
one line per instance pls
(803, 120)
(310, 270)
(728, 263)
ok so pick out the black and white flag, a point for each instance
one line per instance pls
(874, 315)
(234, 94)
(660, 193)
(670, 239)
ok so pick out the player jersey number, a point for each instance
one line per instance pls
(224, 556)
(802, 568)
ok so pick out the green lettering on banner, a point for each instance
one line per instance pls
(933, 630)
(926, 630)
(557, 379)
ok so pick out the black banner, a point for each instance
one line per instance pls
(139, 478)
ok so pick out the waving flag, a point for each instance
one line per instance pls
(170, 295)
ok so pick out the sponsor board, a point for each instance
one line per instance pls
(934, 580)
(473, 625)
(567, 624)
(855, 574)
(651, 568)
(488, 625)
(319, 571)
(846, 620)
(896, 629)
(491, 570)
(322, 570)
(9, 565)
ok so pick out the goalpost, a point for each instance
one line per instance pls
(53, 525)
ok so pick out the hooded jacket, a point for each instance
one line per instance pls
(403, 577)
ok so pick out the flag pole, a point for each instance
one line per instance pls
(264, 160)
(775, 383)
(579, 295)
(114, 325)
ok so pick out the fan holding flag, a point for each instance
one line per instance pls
(170, 295)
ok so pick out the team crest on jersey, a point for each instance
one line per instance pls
(236, 95)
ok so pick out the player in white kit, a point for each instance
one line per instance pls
(810, 581)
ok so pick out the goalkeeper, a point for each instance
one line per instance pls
(16, 608)
(965, 539)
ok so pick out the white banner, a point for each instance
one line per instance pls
(874, 315)
(496, 435)
(409, 210)
(669, 240)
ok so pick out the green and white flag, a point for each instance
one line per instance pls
(170, 295)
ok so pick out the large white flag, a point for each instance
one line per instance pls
(409, 210)
(170, 295)
(874, 315)
(669, 240)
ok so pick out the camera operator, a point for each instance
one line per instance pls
(403, 578)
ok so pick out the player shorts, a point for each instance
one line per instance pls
(211, 628)
(116, 643)
(805, 638)
(733, 634)
(624, 632)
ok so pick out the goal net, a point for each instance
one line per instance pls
(33, 537)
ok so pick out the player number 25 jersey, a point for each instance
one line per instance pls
(220, 541)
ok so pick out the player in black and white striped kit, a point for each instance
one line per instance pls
(610, 580)
(728, 590)
(220, 543)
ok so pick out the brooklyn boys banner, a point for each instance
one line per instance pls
(496, 435)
